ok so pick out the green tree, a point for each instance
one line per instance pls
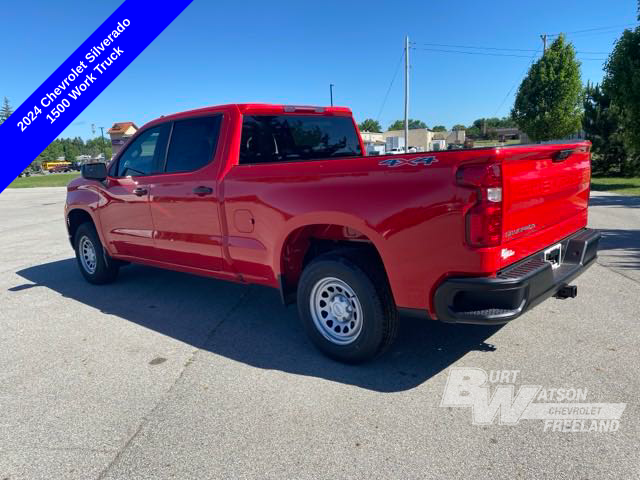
(494, 122)
(439, 128)
(474, 132)
(549, 101)
(413, 124)
(458, 127)
(52, 152)
(484, 127)
(370, 125)
(70, 148)
(622, 84)
(70, 152)
(602, 123)
(5, 111)
(73, 147)
(96, 146)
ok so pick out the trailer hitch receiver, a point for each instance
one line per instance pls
(568, 291)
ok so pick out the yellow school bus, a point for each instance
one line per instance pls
(56, 166)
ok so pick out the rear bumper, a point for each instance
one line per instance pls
(516, 289)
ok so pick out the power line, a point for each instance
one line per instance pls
(499, 52)
(476, 48)
(521, 75)
(580, 36)
(498, 48)
(488, 53)
(533, 57)
(390, 85)
(471, 53)
(593, 29)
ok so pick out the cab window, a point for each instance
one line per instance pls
(146, 154)
(193, 143)
(294, 138)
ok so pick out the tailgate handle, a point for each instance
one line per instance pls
(562, 155)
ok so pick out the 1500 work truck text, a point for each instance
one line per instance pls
(283, 196)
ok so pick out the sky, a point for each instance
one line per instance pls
(220, 52)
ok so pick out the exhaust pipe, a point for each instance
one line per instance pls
(568, 291)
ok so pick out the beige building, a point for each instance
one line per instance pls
(373, 143)
(456, 136)
(418, 138)
(423, 139)
(120, 132)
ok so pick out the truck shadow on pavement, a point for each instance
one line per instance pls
(620, 248)
(625, 201)
(250, 325)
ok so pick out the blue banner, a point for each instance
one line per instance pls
(79, 80)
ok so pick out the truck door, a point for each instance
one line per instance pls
(126, 215)
(184, 198)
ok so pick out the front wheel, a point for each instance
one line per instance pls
(346, 307)
(95, 264)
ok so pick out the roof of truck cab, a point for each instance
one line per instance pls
(258, 108)
(266, 108)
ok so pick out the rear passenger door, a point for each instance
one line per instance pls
(184, 197)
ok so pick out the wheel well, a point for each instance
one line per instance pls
(75, 218)
(308, 242)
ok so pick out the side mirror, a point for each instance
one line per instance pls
(94, 171)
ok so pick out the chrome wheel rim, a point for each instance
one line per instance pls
(336, 311)
(87, 255)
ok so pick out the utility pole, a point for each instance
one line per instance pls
(104, 145)
(406, 93)
(331, 92)
(544, 43)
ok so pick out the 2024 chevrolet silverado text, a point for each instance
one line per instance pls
(283, 196)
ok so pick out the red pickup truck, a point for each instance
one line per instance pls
(285, 196)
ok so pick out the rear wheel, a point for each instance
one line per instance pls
(346, 306)
(95, 264)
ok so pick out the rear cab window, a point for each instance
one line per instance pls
(293, 138)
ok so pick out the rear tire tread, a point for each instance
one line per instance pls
(366, 265)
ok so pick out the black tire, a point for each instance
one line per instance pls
(105, 268)
(359, 271)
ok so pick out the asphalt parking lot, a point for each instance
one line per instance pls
(165, 375)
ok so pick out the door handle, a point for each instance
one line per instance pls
(202, 191)
(140, 191)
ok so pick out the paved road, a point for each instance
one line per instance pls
(165, 375)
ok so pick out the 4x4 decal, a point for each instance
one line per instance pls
(397, 162)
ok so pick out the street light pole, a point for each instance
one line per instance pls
(331, 93)
(406, 94)
(104, 145)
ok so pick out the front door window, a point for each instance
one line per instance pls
(146, 154)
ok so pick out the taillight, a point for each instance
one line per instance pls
(484, 219)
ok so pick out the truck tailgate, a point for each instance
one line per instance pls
(545, 196)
